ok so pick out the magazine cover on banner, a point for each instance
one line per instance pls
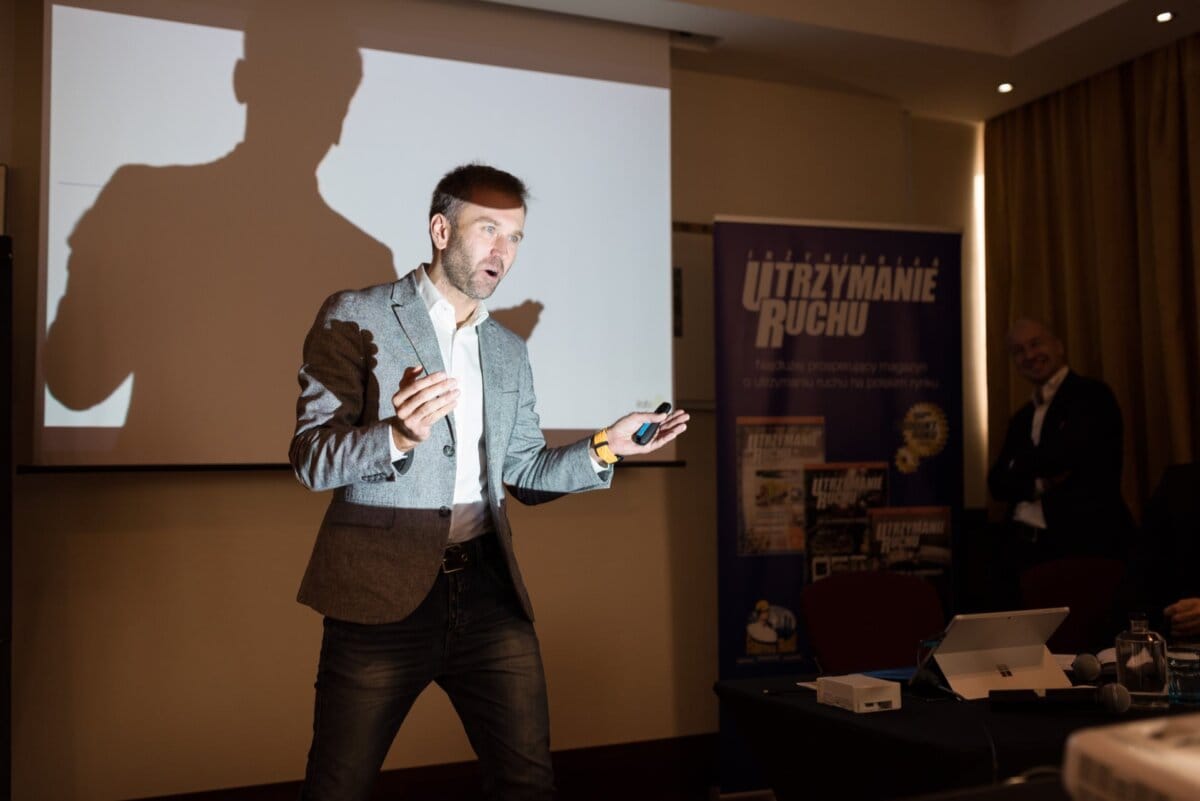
(839, 426)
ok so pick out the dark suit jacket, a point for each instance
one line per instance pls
(1166, 560)
(1079, 460)
(379, 548)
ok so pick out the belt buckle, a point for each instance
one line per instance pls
(454, 559)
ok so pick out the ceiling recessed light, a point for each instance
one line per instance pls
(1165, 16)
(1004, 88)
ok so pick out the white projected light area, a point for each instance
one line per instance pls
(192, 271)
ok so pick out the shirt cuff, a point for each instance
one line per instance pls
(597, 465)
(398, 456)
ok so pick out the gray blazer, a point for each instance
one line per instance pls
(380, 545)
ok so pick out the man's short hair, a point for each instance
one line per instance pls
(457, 186)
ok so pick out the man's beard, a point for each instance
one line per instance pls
(461, 273)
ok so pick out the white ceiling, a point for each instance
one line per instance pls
(939, 58)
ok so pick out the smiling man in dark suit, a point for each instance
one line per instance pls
(417, 409)
(1060, 468)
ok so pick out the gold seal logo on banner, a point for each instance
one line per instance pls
(926, 430)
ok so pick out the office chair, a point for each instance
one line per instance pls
(869, 620)
(1088, 586)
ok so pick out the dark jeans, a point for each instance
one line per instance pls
(468, 635)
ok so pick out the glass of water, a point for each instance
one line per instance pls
(1183, 670)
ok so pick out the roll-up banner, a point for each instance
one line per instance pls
(839, 427)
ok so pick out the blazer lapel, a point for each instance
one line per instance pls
(414, 321)
(1022, 423)
(1056, 414)
(492, 364)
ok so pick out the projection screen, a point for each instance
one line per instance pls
(214, 171)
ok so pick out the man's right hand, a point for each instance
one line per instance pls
(1183, 616)
(419, 403)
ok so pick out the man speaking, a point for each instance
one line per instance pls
(417, 409)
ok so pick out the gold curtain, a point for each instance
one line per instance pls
(1092, 213)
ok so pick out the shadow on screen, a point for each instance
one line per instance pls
(201, 280)
(520, 319)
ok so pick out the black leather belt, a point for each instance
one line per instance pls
(459, 555)
(455, 558)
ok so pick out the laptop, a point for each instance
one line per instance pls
(1000, 651)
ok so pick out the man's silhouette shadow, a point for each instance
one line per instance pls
(201, 280)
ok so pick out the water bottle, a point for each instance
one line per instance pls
(1142, 664)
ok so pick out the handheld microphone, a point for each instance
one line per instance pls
(1113, 698)
(1085, 669)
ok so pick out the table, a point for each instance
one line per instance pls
(1044, 789)
(931, 744)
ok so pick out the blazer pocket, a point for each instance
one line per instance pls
(341, 513)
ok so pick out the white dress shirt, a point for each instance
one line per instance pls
(1031, 512)
(459, 347)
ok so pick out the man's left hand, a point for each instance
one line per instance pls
(670, 426)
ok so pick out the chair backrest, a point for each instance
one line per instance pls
(869, 620)
(1088, 585)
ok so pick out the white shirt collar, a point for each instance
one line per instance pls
(1051, 386)
(437, 305)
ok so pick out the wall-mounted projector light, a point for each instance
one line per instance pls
(1004, 88)
(1165, 16)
